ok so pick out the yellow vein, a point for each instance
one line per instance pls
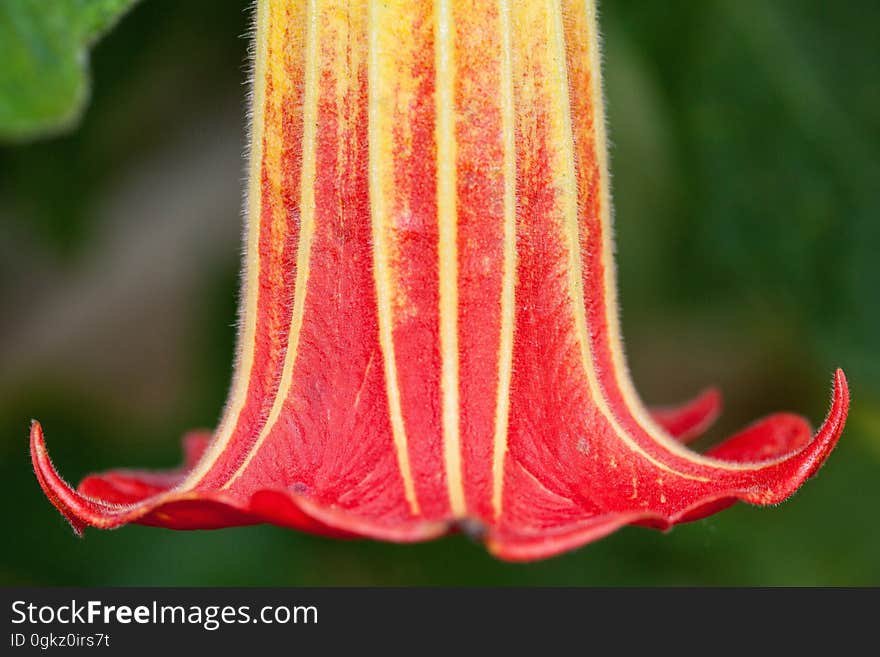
(380, 155)
(444, 98)
(621, 372)
(508, 287)
(307, 229)
(245, 348)
(568, 179)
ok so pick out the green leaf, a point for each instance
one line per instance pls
(44, 77)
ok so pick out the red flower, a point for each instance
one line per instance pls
(429, 334)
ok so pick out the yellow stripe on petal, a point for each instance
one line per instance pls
(382, 69)
(307, 225)
(508, 297)
(447, 248)
(270, 29)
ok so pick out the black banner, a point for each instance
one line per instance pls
(254, 621)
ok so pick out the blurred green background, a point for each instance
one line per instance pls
(746, 162)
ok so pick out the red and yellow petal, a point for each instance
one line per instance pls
(429, 336)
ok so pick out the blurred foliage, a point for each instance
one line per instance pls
(746, 163)
(44, 73)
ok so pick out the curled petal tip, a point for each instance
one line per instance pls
(832, 428)
(65, 499)
(840, 381)
(793, 469)
(690, 420)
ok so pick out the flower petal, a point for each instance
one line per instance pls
(769, 460)
(690, 420)
(117, 498)
(769, 438)
(131, 486)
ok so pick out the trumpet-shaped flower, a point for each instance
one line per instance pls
(429, 336)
